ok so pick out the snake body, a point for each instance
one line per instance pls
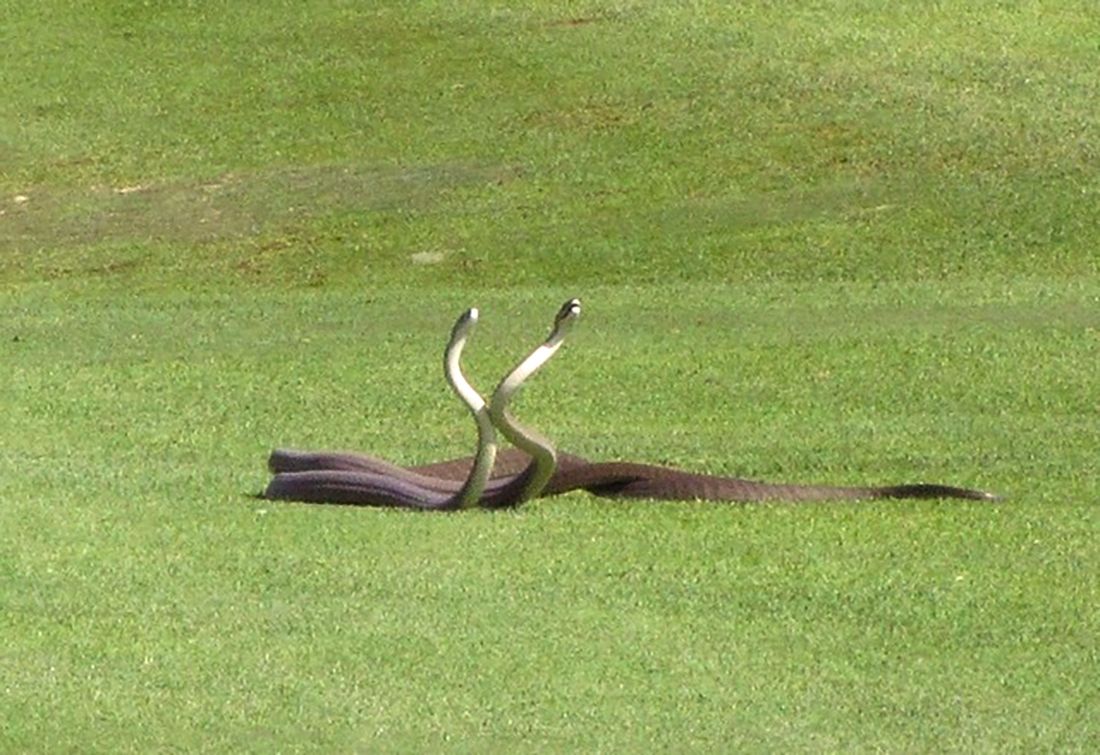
(534, 468)
(617, 479)
(362, 480)
(380, 489)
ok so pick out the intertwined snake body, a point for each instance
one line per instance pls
(375, 482)
(534, 468)
(618, 479)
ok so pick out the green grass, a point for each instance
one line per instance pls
(825, 242)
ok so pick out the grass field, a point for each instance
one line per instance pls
(820, 242)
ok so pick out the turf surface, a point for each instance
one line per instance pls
(823, 243)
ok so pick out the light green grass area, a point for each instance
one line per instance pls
(832, 242)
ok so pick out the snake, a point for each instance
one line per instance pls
(322, 478)
(536, 468)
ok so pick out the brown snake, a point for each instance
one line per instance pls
(537, 470)
(614, 479)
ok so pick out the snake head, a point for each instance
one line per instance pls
(464, 324)
(568, 313)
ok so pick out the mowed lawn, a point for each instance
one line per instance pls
(819, 242)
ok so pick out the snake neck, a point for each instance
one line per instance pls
(470, 493)
(544, 458)
(539, 448)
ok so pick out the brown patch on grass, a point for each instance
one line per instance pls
(586, 116)
(576, 21)
(232, 206)
(106, 269)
